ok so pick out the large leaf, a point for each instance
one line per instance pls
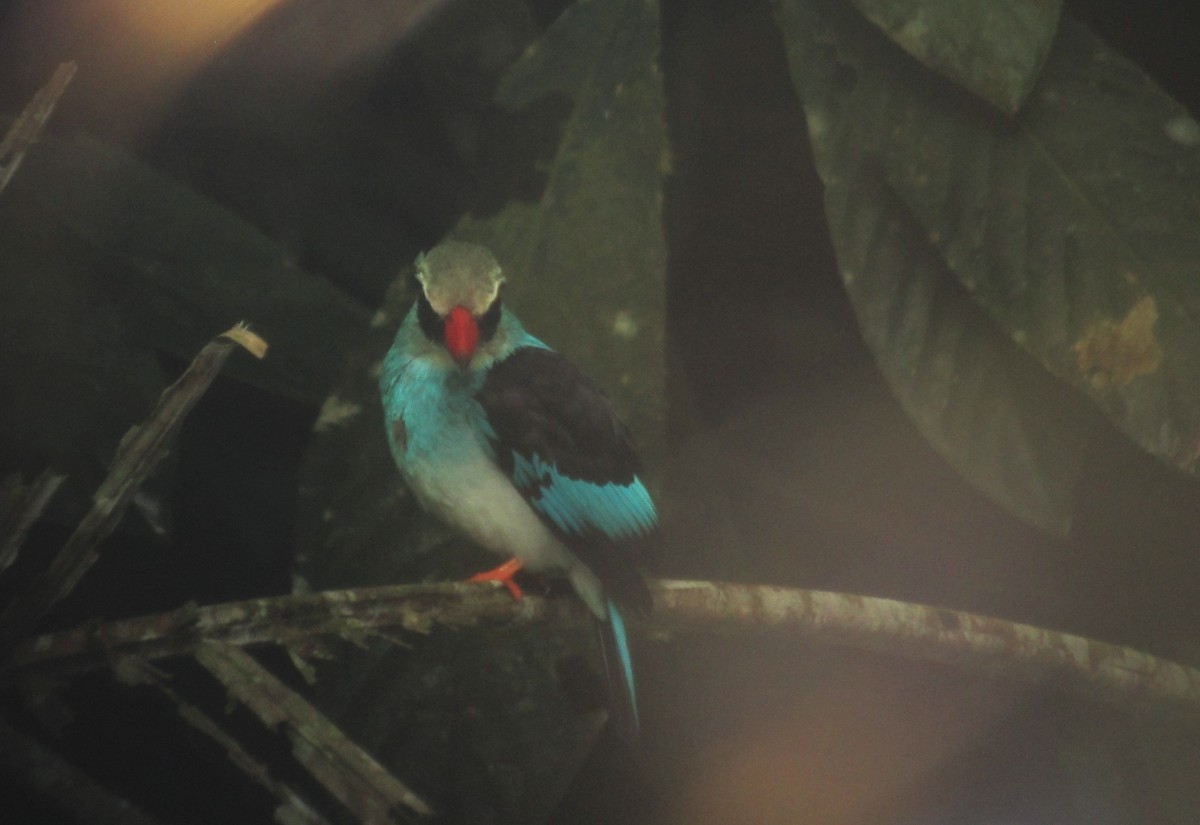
(993, 48)
(995, 414)
(1074, 227)
(992, 411)
(586, 259)
(181, 268)
(72, 378)
(1071, 226)
(482, 723)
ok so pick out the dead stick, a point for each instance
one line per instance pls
(1116, 674)
(292, 807)
(347, 771)
(29, 125)
(140, 451)
(20, 506)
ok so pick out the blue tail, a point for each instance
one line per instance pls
(620, 639)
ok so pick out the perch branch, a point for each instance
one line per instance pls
(24, 132)
(140, 451)
(285, 620)
(1113, 673)
(21, 505)
(342, 767)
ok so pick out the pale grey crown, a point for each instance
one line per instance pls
(457, 273)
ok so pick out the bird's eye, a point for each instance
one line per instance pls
(489, 321)
(430, 321)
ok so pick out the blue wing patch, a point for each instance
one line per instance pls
(619, 512)
(555, 434)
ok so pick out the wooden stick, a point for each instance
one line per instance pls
(24, 132)
(1112, 673)
(140, 451)
(21, 505)
(347, 771)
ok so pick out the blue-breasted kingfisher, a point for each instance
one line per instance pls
(509, 442)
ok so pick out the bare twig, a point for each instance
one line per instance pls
(1116, 674)
(21, 505)
(140, 451)
(347, 771)
(61, 784)
(29, 125)
(292, 810)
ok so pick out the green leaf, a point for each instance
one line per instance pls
(181, 269)
(572, 212)
(72, 377)
(1074, 227)
(995, 413)
(586, 259)
(992, 48)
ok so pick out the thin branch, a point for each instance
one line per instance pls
(24, 133)
(1115, 674)
(347, 771)
(61, 784)
(139, 452)
(292, 810)
(21, 505)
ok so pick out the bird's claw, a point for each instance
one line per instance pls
(503, 574)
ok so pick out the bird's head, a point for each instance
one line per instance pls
(459, 304)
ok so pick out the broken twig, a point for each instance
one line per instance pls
(21, 505)
(140, 451)
(24, 132)
(347, 771)
(292, 809)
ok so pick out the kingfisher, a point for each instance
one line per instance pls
(510, 443)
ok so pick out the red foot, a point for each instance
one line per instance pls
(503, 574)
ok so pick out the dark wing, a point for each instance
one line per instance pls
(556, 436)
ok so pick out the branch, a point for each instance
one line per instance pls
(347, 771)
(1099, 670)
(140, 451)
(292, 810)
(21, 505)
(25, 131)
(1109, 672)
(284, 620)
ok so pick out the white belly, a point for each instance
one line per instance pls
(455, 478)
(480, 501)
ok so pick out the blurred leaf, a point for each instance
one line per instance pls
(1074, 227)
(481, 722)
(995, 414)
(992, 48)
(586, 258)
(72, 378)
(179, 269)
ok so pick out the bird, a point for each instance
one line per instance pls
(510, 443)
